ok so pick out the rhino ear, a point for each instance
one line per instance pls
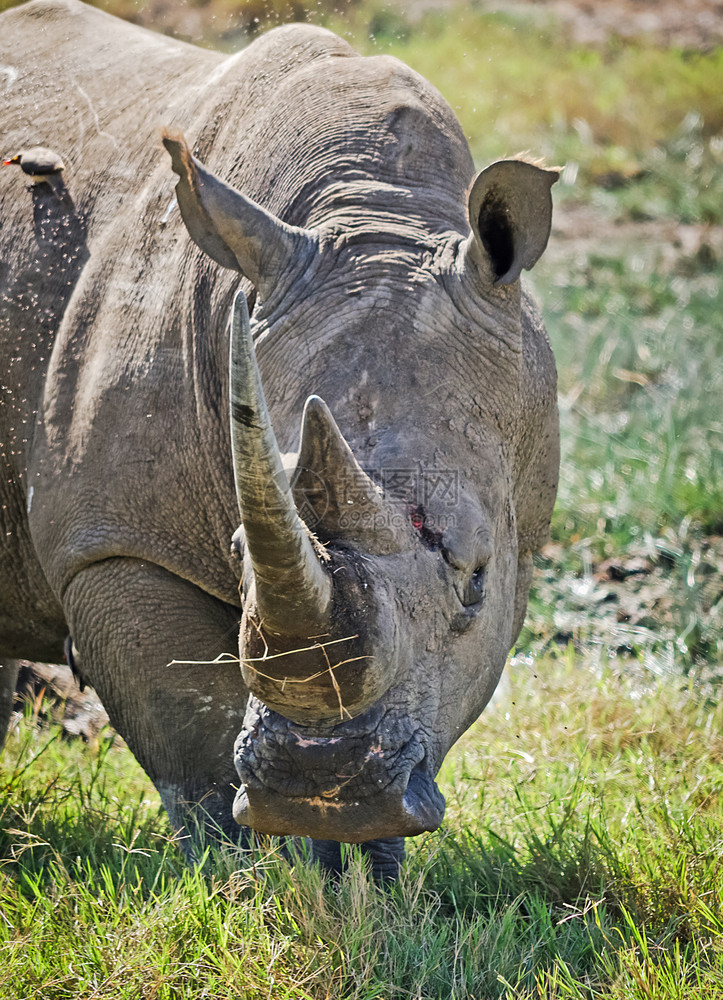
(333, 494)
(510, 213)
(232, 229)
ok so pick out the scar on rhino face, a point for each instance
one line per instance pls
(431, 538)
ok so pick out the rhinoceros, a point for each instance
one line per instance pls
(292, 613)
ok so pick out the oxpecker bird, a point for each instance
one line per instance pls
(43, 166)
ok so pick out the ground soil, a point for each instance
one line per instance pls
(50, 692)
(686, 24)
(579, 229)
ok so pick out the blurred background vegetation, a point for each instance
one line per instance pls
(582, 854)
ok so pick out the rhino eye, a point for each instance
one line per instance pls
(474, 591)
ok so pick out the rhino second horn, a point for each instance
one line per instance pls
(346, 505)
(293, 588)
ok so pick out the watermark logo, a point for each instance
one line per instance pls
(408, 490)
(419, 487)
(309, 491)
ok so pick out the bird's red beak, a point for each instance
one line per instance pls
(6, 163)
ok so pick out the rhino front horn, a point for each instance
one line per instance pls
(292, 586)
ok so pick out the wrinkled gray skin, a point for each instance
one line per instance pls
(117, 487)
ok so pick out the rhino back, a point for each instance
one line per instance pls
(58, 60)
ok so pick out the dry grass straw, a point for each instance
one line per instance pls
(251, 664)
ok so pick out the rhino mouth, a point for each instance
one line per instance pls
(362, 780)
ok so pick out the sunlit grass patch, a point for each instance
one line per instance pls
(602, 786)
(580, 857)
(60, 797)
(639, 350)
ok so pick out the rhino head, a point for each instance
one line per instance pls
(380, 597)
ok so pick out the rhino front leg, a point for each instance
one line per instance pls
(8, 680)
(129, 619)
(385, 856)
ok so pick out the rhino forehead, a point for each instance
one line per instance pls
(414, 354)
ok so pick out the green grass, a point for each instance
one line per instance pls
(635, 325)
(582, 852)
(639, 346)
(581, 856)
(617, 112)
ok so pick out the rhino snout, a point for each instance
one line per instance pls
(363, 780)
(351, 821)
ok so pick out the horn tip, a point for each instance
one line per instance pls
(315, 406)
